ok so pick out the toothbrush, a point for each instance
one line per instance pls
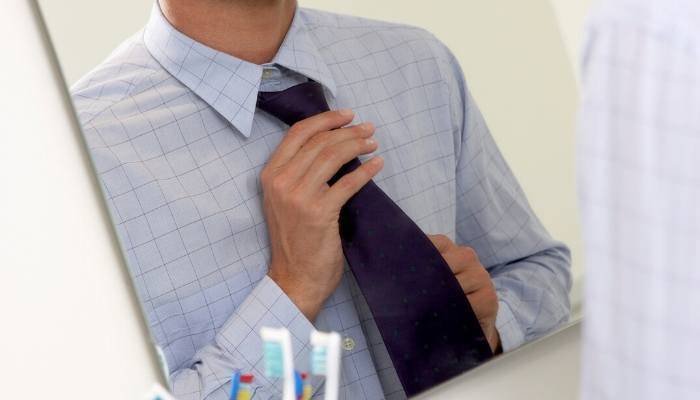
(306, 390)
(277, 352)
(325, 360)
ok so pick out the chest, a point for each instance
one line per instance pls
(194, 195)
(199, 176)
(188, 203)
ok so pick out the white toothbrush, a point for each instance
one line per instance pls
(279, 363)
(325, 360)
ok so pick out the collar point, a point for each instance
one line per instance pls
(244, 125)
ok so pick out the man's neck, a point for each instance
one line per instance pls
(251, 30)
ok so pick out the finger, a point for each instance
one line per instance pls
(484, 303)
(301, 162)
(472, 280)
(469, 254)
(349, 184)
(479, 304)
(455, 260)
(461, 258)
(441, 242)
(304, 130)
(331, 158)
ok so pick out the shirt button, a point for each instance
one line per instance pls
(348, 343)
(267, 73)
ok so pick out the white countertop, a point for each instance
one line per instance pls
(542, 370)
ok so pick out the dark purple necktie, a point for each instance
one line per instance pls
(426, 322)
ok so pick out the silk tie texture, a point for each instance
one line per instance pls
(423, 316)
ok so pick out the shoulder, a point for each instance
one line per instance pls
(124, 101)
(128, 70)
(323, 19)
(384, 59)
(403, 43)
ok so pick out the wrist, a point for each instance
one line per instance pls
(306, 300)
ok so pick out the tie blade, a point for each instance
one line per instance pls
(426, 322)
(424, 318)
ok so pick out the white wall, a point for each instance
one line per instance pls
(571, 15)
(518, 67)
(85, 31)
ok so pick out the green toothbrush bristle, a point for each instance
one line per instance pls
(274, 361)
(318, 361)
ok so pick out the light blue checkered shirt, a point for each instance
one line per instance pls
(178, 145)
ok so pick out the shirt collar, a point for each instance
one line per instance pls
(228, 84)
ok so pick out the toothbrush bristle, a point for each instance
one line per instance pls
(318, 361)
(274, 367)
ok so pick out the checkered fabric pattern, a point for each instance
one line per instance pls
(178, 145)
(639, 143)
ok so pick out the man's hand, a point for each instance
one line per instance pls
(475, 281)
(302, 211)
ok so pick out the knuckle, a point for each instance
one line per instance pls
(360, 144)
(328, 154)
(491, 297)
(354, 180)
(345, 183)
(357, 130)
(468, 253)
(361, 174)
(320, 139)
(296, 129)
(492, 293)
(486, 277)
(264, 176)
(366, 173)
(332, 117)
(442, 238)
(296, 200)
(348, 182)
(336, 115)
(278, 184)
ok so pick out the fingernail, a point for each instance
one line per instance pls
(370, 141)
(346, 112)
(376, 160)
(366, 126)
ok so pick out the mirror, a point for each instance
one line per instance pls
(179, 147)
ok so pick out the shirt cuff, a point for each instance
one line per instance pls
(266, 306)
(509, 330)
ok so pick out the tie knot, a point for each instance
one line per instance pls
(295, 103)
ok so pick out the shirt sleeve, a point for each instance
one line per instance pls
(530, 270)
(238, 347)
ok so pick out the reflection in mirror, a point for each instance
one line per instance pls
(231, 221)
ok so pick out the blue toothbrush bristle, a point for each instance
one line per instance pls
(274, 362)
(318, 360)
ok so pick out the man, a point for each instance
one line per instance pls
(638, 156)
(224, 212)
